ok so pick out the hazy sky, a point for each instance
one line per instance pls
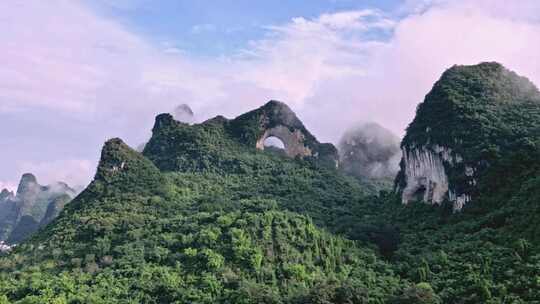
(75, 73)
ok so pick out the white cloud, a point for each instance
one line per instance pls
(295, 58)
(354, 20)
(10, 186)
(334, 78)
(62, 56)
(76, 172)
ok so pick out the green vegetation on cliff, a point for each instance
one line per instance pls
(481, 113)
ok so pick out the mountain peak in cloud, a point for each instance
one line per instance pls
(183, 113)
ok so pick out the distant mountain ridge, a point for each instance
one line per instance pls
(31, 207)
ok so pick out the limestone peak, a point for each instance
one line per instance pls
(473, 116)
(6, 194)
(276, 119)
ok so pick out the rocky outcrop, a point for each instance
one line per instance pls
(124, 168)
(292, 141)
(8, 213)
(276, 119)
(4, 247)
(425, 175)
(21, 214)
(473, 117)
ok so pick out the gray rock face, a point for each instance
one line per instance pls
(23, 213)
(9, 210)
(276, 119)
(4, 247)
(292, 141)
(425, 175)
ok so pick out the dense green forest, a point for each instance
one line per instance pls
(201, 216)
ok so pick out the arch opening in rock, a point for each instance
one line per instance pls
(274, 142)
(293, 140)
(275, 145)
(277, 119)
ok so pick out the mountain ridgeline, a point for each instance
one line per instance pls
(206, 214)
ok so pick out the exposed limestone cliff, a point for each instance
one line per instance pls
(473, 116)
(275, 118)
(425, 172)
(425, 176)
(292, 140)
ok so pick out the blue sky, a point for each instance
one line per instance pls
(76, 73)
(213, 28)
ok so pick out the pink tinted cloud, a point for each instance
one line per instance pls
(61, 55)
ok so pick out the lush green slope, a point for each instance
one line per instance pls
(488, 253)
(203, 217)
(201, 236)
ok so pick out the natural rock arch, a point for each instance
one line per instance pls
(274, 119)
(277, 119)
(292, 141)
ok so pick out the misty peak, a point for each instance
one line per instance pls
(183, 113)
(487, 82)
(21, 216)
(28, 178)
(5, 194)
(28, 183)
(370, 151)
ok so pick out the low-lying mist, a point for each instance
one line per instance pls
(368, 150)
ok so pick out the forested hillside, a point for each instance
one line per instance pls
(203, 216)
